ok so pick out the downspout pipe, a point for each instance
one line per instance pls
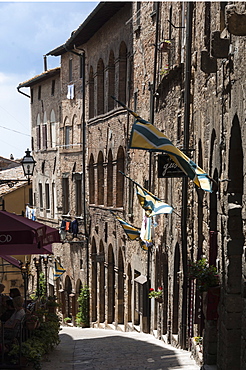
(185, 180)
(21, 92)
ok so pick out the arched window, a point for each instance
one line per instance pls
(38, 132)
(120, 177)
(100, 87)
(44, 131)
(111, 81)
(52, 129)
(100, 179)
(122, 72)
(91, 94)
(91, 181)
(67, 133)
(110, 179)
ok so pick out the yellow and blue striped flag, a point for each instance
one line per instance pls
(132, 232)
(151, 204)
(146, 136)
(59, 270)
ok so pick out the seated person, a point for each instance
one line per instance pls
(11, 326)
(9, 310)
(14, 292)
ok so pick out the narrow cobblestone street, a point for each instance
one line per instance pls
(98, 349)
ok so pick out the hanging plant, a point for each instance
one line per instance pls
(206, 276)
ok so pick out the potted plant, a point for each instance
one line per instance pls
(32, 321)
(82, 317)
(157, 294)
(206, 275)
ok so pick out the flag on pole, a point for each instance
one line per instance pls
(132, 232)
(149, 202)
(59, 270)
(146, 136)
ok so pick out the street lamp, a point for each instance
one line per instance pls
(28, 164)
(45, 259)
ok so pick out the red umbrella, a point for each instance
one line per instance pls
(20, 236)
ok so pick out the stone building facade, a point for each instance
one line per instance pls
(182, 67)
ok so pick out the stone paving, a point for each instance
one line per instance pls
(100, 349)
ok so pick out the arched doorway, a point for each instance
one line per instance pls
(111, 286)
(235, 242)
(129, 293)
(121, 289)
(68, 291)
(101, 285)
(93, 282)
(176, 268)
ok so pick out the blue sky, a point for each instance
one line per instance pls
(28, 30)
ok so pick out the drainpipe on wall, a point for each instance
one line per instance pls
(185, 180)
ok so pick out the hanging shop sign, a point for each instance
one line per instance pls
(167, 168)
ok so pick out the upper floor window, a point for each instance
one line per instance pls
(47, 196)
(53, 83)
(31, 95)
(91, 181)
(39, 93)
(111, 81)
(38, 132)
(44, 131)
(100, 87)
(100, 179)
(52, 129)
(122, 72)
(70, 77)
(91, 93)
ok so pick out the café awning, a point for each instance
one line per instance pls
(21, 236)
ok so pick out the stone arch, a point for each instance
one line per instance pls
(121, 300)
(91, 94)
(93, 281)
(176, 268)
(68, 291)
(111, 286)
(120, 177)
(100, 87)
(129, 293)
(91, 180)
(110, 179)
(101, 284)
(122, 72)
(111, 80)
(100, 179)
